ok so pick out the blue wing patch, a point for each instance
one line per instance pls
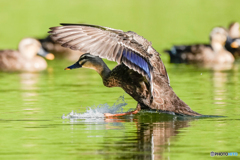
(137, 60)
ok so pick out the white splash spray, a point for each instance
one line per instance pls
(98, 112)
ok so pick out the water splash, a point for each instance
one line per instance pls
(98, 112)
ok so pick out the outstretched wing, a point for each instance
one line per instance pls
(112, 44)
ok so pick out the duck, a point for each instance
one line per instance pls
(140, 71)
(25, 59)
(213, 53)
(59, 52)
(233, 40)
(233, 46)
(233, 30)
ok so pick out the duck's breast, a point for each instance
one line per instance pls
(34, 65)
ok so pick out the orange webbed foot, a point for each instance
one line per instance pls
(120, 114)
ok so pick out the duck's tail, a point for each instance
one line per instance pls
(187, 112)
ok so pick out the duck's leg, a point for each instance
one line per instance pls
(138, 108)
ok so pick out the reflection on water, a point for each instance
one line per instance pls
(220, 81)
(218, 67)
(28, 83)
(215, 66)
(152, 134)
(155, 137)
(219, 84)
(29, 93)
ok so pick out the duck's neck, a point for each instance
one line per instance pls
(217, 46)
(102, 68)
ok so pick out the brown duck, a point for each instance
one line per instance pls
(233, 41)
(214, 54)
(140, 71)
(233, 30)
(25, 58)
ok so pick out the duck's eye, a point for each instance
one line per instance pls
(82, 61)
(83, 57)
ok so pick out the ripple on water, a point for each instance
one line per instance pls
(98, 111)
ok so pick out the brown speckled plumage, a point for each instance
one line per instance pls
(109, 43)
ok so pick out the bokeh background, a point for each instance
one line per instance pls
(31, 105)
(162, 22)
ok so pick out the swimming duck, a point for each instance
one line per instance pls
(213, 53)
(233, 46)
(25, 58)
(59, 51)
(140, 71)
(233, 40)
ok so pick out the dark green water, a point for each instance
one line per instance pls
(32, 105)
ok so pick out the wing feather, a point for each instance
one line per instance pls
(115, 45)
(118, 56)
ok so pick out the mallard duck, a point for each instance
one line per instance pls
(214, 53)
(140, 71)
(59, 51)
(233, 46)
(233, 40)
(25, 58)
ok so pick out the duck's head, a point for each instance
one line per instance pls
(29, 47)
(87, 61)
(234, 30)
(218, 35)
(218, 38)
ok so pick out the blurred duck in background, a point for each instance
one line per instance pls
(213, 53)
(25, 58)
(233, 40)
(233, 30)
(59, 51)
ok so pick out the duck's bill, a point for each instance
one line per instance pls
(74, 66)
(42, 52)
(50, 56)
(234, 45)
